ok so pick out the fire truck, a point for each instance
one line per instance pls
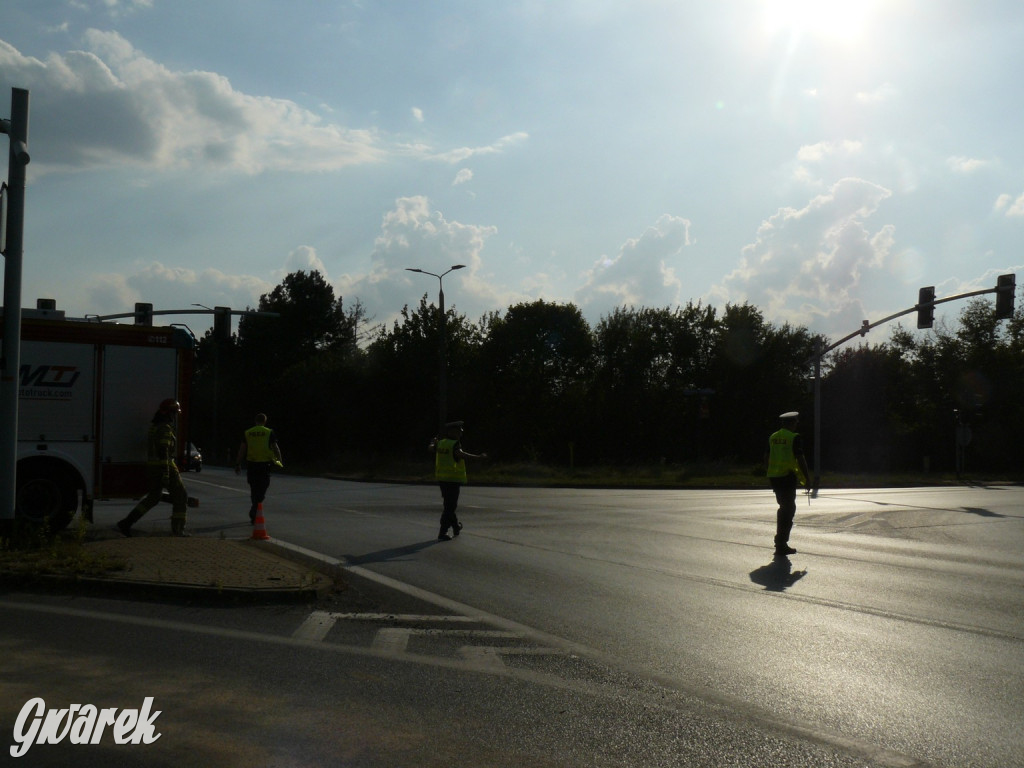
(87, 393)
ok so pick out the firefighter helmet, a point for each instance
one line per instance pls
(170, 404)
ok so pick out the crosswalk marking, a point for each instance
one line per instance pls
(315, 627)
(395, 639)
(406, 617)
(491, 657)
(391, 640)
(319, 623)
(482, 656)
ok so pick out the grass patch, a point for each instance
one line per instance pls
(30, 551)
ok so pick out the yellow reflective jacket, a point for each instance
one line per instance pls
(447, 468)
(257, 441)
(781, 458)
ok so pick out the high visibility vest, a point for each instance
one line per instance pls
(257, 440)
(781, 459)
(447, 468)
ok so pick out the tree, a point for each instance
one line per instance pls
(535, 363)
(310, 320)
(285, 366)
(861, 415)
(651, 386)
(403, 367)
(759, 371)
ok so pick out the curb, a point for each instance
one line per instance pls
(189, 593)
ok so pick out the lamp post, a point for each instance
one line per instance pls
(442, 381)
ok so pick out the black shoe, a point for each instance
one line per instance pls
(783, 550)
(443, 536)
(456, 529)
(125, 528)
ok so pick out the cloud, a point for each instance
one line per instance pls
(413, 234)
(826, 158)
(303, 259)
(1011, 207)
(966, 164)
(815, 153)
(110, 105)
(417, 114)
(642, 274)
(164, 286)
(884, 92)
(806, 265)
(464, 153)
(464, 175)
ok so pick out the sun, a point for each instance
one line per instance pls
(835, 20)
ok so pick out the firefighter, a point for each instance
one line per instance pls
(786, 467)
(162, 472)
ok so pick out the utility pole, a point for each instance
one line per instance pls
(10, 355)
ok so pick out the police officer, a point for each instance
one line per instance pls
(786, 467)
(450, 473)
(161, 472)
(260, 451)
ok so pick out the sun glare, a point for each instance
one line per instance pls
(837, 20)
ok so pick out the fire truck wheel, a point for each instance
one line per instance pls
(46, 495)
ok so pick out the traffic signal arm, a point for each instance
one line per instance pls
(926, 303)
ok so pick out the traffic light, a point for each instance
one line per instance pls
(1006, 287)
(143, 313)
(222, 323)
(926, 307)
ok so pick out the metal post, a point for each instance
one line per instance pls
(442, 380)
(442, 376)
(817, 418)
(10, 356)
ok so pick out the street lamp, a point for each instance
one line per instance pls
(442, 385)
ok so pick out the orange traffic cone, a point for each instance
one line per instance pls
(259, 530)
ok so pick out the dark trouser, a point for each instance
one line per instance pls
(785, 494)
(257, 474)
(450, 495)
(160, 477)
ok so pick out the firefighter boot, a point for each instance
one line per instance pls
(125, 526)
(178, 526)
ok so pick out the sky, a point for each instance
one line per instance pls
(819, 160)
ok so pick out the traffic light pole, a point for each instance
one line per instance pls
(1006, 284)
(10, 357)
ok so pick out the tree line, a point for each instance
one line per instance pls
(537, 384)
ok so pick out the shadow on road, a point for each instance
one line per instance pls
(778, 575)
(383, 555)
(981, 512)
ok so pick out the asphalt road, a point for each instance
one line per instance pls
(895, 636)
